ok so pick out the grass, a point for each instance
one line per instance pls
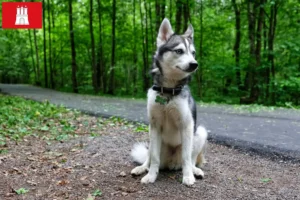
(20, 117)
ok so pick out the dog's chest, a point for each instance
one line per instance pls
(169, 119)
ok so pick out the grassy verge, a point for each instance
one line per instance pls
(20, 118)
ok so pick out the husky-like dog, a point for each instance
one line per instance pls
(175, 141)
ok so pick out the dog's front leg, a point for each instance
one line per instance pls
(155, 147)
(187, 147)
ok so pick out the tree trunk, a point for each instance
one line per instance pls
(151, 30)
(200, 71)
(162, 9)
(50, 47)
(143, 43)
(94, 67)
(38, 80)
(178, 16)
(254, 74)
(73, 51)
(112, 70)
(185, 15)
(271, 37)
(171, 10)
(157, 14)
(236, 47)
(134, 51)
(32, 57)
(100, 64)
(254, 93)
(146, 66)
(248, 82)
(45, 46)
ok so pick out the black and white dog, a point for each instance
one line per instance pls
(175, 140)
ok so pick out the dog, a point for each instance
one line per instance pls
(175, 140)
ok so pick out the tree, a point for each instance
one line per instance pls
(101, 82)
(45, 46)
(38, 80)
(94, 67)
(113, 48)
(73, 51)
(50, 47)
(236, 47)
(32, 56)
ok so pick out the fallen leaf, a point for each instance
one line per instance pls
(62, 182)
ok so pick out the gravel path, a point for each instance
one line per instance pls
(273, 133)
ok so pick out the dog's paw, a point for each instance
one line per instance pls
(138, 170)
(188, 180)
(198, 173)
(149, 178)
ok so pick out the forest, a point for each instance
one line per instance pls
(248, 51)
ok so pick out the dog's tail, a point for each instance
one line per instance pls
(139, 152)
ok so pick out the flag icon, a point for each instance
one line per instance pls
(22, 15)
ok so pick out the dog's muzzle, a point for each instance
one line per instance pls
(192, 67)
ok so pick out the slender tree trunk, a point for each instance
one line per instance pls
(162, 9)
(134, 51)
(112, 70)
(200, 71)
(38, 80)
(52, 16)
(271, 37)
(144, 46)
(151, 30)
(73, 50)
(32, 57)
(254, 94)
(236, 47)
(185, 15)
(146, 67)
(248, 82)
(178, 15)
(94, 67)
(45, 46)
(157, 15)
(100, 64)
(50, 47)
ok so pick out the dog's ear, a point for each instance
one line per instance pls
(189, 32)
(165, 32)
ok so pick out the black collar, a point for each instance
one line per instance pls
(171, 91)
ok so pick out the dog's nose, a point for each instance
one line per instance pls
(192, 67)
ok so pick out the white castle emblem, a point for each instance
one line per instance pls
(22, 16)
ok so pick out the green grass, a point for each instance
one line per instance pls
(20, 117)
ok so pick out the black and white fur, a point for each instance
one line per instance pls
(175, 141)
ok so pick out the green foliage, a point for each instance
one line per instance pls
(19, 117)
(19, 65)
(97, 193)
(21, 191)
(265, 180)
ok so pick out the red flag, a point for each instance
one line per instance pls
(22, 15)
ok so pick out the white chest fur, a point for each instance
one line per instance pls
(170, 119)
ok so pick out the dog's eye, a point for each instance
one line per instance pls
(194, 53)
(179, 51)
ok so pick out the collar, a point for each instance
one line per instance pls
(172, 91)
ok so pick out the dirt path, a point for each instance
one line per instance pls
(78, 167)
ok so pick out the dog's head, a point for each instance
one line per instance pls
(175, 53)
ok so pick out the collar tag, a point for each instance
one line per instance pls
(161, 100)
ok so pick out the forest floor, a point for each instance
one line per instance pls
(68, 155)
